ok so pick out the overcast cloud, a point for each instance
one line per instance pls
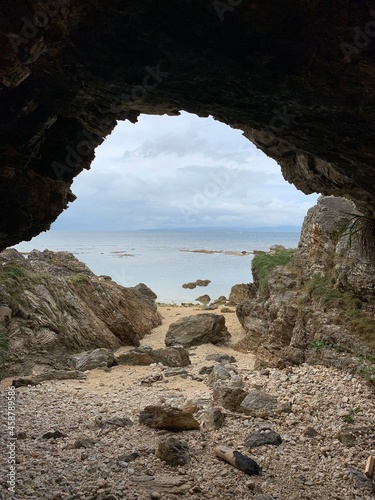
(168, 172)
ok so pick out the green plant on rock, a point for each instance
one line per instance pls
(12, 270)
(362, 228)
(349, 417)
(264, 263)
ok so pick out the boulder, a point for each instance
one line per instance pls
(198, 329)
(93, 359)
(145, 355)
(204, 299)
(145, 290)
(241, 292)
(168, 417)
(173, 451)
(260, 404)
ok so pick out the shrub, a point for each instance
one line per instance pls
(264, 263)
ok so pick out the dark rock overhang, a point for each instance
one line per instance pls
(296, 76)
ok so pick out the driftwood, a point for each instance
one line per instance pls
(235, 458)
(369, 469)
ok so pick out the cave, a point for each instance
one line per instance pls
(297, 77)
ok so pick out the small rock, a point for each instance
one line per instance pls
(221, 358)
(346, 438)
(90, 360)
(173, 451)
(204, 299)
(128, 457)
(262, 437)
(230, 399)
(213, 419)
(83, 443)
(206, 370)
(167, 417)
(218, 373)
(260, 404)
(114, 422)
(173, 372)
(54, 435)
(310, 432)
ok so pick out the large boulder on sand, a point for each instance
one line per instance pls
(198, 329)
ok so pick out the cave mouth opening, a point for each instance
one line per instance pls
(169, 200)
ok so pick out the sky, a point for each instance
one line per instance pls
(181, 172)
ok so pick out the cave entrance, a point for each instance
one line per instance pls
(173, 199)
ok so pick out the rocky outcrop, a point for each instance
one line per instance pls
(316, 304)
(145, 355)
(199, 329)
(295, 77)
(53, 306)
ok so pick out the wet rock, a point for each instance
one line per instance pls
(198, 329)
(227, 397)
(212, 419)
(145, 355)
(90, 360)
(173, 451)
(167, 417)
(260, 404)
(262, 437)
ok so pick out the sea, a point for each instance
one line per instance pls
(166, 259)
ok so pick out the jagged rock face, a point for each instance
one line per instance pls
(296, 76)
(319, 307)
(52, 305)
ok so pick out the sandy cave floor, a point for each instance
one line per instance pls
(327, 466)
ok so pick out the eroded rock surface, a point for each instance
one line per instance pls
(295, 77)
(53, 306)
(319, 307)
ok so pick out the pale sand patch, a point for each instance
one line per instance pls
(100, 382)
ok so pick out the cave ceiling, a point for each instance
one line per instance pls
(296, 76)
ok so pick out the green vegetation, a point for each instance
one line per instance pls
(11, 270)
(319, 344)
(264, 263)
(362, 228)
(79, 278)
(349, 417)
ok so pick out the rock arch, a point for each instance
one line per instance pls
(296, 76)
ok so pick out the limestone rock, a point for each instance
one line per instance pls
(167, 417)
(212, 419)
(61, 308)
(145, 290)
(170, 356)
(241, 292)
(198, 329)
(229, 398)
(93, 359)
(173, 451)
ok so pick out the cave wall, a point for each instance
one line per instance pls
(296, 76)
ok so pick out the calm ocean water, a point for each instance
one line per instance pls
(155, 257)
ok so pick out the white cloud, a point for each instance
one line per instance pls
(181, 171)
